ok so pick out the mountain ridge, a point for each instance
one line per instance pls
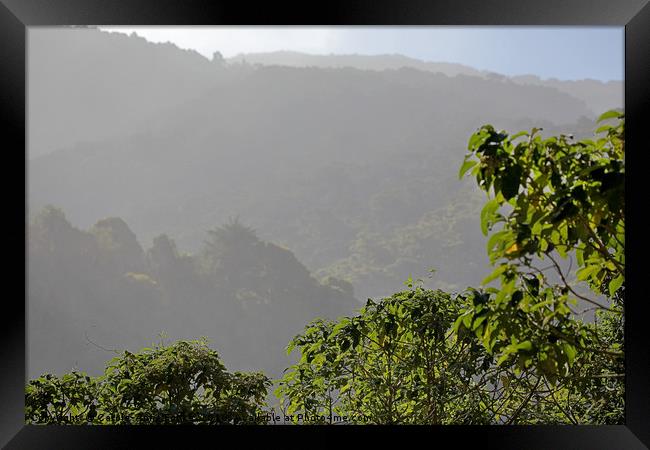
(86, 83)
(598, 95)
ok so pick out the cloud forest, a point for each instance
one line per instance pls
(330, 239)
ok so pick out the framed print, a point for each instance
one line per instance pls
(361, 214)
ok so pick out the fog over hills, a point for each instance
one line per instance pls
(91, 291)
(363, 62)
(74, 75)
(85, 85)
(345, 166)
(598, 96)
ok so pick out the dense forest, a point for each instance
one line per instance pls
(597, 95)
(518, 353)
(99, 288)
(320, 160)
(305, 225)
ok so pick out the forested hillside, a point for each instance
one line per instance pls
(336, 164)
(597, 95)
(347, 175)
(91, 291)
(86, 85)
(518, 349)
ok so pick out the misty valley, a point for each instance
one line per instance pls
(288, 235)
(99, 288)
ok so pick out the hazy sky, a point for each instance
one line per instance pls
(561, 52)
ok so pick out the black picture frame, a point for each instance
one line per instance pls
(17, 15)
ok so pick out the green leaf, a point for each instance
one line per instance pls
(570, 353)
(495, 238)
(584, 273)
(339, 326)
(609, 115)
(615, 284)
(467, 164)
(487, 213)
(467, 320)
(477, 323)
(520, 134)
(503, 358)
(526, 346)
(477, 139)
(457, 324)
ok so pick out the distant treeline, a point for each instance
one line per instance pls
(96, 290)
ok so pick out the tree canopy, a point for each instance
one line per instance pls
(553, 201)
(395, 362)
(519, 353)
(182, 383)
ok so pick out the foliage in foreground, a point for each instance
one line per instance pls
(400, 361)
(183, 383)
(396, 362)
(520, 353)
(558, 204)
